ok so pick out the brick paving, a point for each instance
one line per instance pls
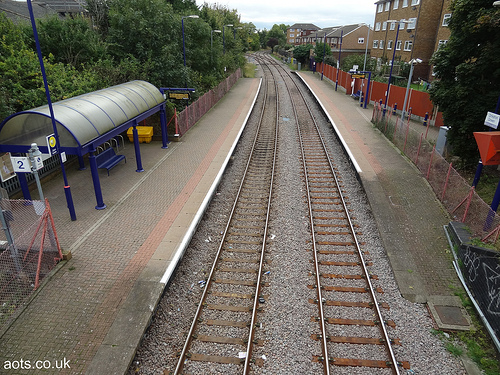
(72, 314)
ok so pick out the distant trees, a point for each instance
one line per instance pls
(467, 69)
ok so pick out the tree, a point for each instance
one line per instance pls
(321, 50)
(302, 52)
(467, 69)
(277, 33)
(69, 41)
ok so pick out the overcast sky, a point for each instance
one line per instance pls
(266, 13)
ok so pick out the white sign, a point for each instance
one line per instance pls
(21, 164)
(38, 162)
(492, 120)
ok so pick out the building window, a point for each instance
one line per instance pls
(405, 3)
(292, 30)
(361, 40)
(381, 44)
(415, 2)
(442, 43)
(396, 4)
(446, 19)
(408, 45)
(377, 26)
(393, 25)
(380, 8)
(384, 26)
(387, 6)
(401, 25)
(375, 44)
(412, 23)
(292, 35)
(389, 44)
(398, 45)
(292, 41)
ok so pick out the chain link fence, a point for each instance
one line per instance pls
(192, 113)
(454, 192)
(29, 250)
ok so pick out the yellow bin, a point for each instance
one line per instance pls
(145, 134)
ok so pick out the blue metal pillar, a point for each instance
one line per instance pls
(81, 163)
(163, 123)
(24, 186)
(137, 148)
(95, 179)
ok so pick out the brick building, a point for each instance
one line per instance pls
(294, 32)
(354, 38)
(424, 29)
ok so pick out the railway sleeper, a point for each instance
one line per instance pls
(359, 322)
(353, 362)
(347, 289)
(355, 340)
(367, 305)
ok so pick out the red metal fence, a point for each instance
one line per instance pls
(29, 250)
(418, 101)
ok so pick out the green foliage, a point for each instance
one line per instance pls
(349, 61)
(70, 41)
(322, 50)
(302, 52)
(467, 69)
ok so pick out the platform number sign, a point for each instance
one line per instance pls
(51, 144)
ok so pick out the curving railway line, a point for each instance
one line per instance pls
(289, 287)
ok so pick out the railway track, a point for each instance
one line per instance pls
(227, 318)
(337, 256)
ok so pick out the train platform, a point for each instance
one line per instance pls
(89, 316)
(94, 310)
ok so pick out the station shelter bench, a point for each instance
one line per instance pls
(108, 159)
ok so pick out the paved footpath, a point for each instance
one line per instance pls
(94, 310)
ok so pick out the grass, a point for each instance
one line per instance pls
(476, 343)
(249, 70)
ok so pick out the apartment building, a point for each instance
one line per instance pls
(294, 32)
(422, 28)
(355, 38)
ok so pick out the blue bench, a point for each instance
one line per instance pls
(357, 94)
(107, 159)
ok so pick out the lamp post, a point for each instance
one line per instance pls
(183, 39)
(392, 62)
(67, 189)
(338, 62)
(413, 62)
(212, 42)
(324, 55)
(224, 38)
(234, 31)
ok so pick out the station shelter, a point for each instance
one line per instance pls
(85, 123)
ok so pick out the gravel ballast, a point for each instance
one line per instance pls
(285, 323)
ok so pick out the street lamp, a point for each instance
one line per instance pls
(338, 62)
(212, 42)
(234, 31)
(413, 62)
(224, 38)
(183, 39)
(392, 62)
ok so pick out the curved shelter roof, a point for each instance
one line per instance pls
(82, 119)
